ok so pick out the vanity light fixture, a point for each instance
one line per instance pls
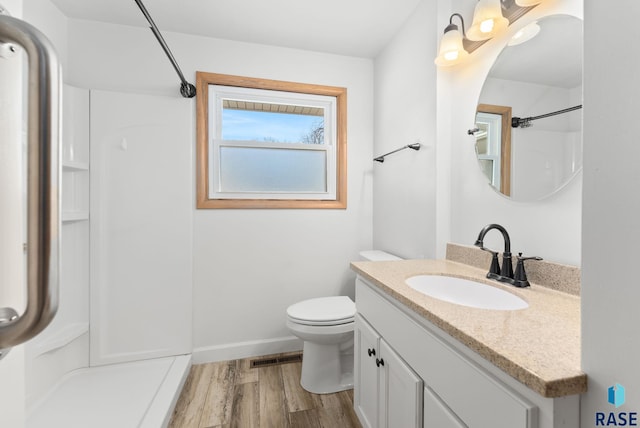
(488, 20)
(451, 51)
(527, 3)
(491, 17)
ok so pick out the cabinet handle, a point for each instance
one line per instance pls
(371, 351)
(379, 362)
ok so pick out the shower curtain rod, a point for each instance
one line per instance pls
(186, 89)
(525, 122)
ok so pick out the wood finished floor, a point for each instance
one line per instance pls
(232, 394)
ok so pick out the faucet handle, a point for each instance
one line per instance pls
(520, 276)
(528, 258)
(495, 264)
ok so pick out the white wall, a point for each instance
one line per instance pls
(549, 228)
(405, 112)
(249, 265)
(610, 292)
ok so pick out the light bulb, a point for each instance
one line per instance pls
(486, 26)
(488, 20)
(451, 51)
(451, 55)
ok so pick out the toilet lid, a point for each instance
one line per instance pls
(323, 310)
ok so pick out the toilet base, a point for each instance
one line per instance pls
(326, 369)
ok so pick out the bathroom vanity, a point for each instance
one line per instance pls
(424, 362)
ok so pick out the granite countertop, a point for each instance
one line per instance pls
(539, 346)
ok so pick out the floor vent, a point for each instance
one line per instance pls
(273, 361)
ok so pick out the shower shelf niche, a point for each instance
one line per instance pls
(72, 216)
(75, 157)
(64, 346)
(61, 338)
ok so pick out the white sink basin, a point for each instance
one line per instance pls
(465, 292)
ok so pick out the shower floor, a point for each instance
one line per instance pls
(138, 394)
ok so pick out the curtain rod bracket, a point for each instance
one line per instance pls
(187, 90)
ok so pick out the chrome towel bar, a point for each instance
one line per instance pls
(414, 146)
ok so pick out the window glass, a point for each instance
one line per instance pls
(251, 121)
(251, 169)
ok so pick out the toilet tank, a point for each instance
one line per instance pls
(377, 256)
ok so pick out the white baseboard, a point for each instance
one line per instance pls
(238, 350)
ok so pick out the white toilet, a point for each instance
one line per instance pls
(325, 325)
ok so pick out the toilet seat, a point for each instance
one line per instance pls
(321, 323)
(323, 311)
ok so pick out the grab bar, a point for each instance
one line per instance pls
(43, 190)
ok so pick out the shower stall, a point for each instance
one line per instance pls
(118, 350)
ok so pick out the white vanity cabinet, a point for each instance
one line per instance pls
(389, 392)
(424, 380)
(437, 414)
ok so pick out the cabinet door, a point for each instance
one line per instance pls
(400, 391)
(365, 397)
(437, 414)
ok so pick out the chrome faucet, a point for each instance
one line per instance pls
(504, 274)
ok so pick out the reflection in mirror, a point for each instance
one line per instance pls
(493, 145)
(542, 75)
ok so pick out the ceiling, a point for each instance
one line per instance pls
(345, 27)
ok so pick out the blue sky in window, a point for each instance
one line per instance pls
(265, 126)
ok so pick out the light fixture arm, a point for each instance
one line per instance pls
(464, 34)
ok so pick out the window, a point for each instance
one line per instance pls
(269, 144)
(488, 145)
(493, 145)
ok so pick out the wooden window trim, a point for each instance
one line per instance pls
(203, 80)
(505, 144)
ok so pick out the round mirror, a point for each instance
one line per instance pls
(529, 120)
